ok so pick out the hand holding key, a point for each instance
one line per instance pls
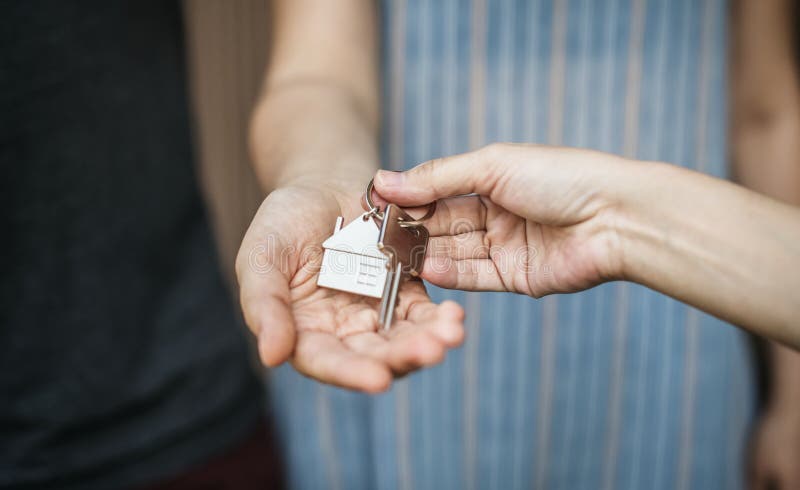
(331, 335)
(514, 217)
(540, 220)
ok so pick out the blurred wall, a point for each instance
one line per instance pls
(226, 44)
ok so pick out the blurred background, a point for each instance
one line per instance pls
(227, 48)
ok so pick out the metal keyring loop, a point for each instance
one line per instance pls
(373, 209)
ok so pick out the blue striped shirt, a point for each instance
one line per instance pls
(617, 387)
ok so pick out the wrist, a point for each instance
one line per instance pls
(642, 206)
(302, 131)
(345, 194)
(338, 171)
(320, 183)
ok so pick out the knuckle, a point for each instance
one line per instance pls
(431, 176)
(428, 169)
(495, 163)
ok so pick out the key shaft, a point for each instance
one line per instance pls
(397, 274)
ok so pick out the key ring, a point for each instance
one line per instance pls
(376, 211)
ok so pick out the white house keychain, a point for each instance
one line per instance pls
(372, 254)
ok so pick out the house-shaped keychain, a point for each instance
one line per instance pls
(352, 261)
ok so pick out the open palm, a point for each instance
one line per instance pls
(330, 335)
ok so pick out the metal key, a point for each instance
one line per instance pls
(371, 255)
(404, 241)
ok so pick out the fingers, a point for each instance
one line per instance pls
(460, 247)
(444, 321)
(453, 216)
(423, 337)
(412, 349)
(473, 172)
(447, 320)
(324, 357)
(419, 337)
(419, 341)
(264, 297)
(467, 275)
(457, 215)
(425, 330)
(376, 198)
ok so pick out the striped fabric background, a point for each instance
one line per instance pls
(618, 387)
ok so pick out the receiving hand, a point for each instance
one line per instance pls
(329, 335)
(533, 223)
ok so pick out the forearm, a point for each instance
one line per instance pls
(312, 129)
(714, 245)
(318, 114)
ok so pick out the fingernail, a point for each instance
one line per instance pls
(388, 178)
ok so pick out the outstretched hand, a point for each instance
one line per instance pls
(329, 335)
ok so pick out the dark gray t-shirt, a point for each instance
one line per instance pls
(121, 360)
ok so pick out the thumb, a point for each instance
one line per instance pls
(467, 173)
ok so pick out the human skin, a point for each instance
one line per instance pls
(766, 155)
(314, 144)
(572, 219)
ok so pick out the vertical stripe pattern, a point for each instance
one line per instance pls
(616, 387)
(476, 137)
